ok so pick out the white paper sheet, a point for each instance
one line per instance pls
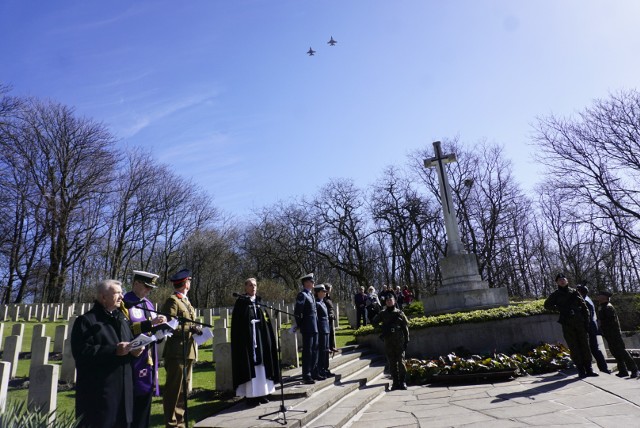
(201, 338)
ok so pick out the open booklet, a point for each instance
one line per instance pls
(160, 331)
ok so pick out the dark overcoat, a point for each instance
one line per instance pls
(242, 345)
(104, 385)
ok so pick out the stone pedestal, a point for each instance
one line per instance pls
(463, 288)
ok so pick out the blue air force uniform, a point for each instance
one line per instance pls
(307, 322)
(322, 367)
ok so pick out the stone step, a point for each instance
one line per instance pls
(346, 408)
(342, 366)
(355, 370)
(316, 404)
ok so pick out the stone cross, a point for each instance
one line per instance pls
(454, 244)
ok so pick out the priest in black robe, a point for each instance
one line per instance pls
(254, 353)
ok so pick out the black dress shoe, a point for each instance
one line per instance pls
(252, 402)
(605, 371)
(318, 377)
(622, 374)
(633, 375)
(308, 381)
(328, 374)
(592, 374)
(263, 400)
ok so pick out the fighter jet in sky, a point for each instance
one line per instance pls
(332, 42)
(311, 52)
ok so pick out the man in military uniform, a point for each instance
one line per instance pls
(179, 351)
(395, 333)
(306, 316)
(143, 319)
(574, 318)
(610, 326)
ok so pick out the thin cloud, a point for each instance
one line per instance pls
(134, 10)
(161, 109)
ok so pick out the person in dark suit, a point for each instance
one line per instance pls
(254, 350)
(610, 326)
(143, 319)
(332, 317)
(321, 370)
(100, 346)
(574, 318)
(306, 316)
(593, 330)
(360, 302)
(178, 346)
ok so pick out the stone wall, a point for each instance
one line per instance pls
(480, 338)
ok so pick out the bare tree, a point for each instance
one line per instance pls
(344, 233)
(594, 161)
(69, 161)
(402, 215)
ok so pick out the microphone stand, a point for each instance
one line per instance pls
(181, 321)
(282, 409)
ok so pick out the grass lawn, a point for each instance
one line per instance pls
(203, 403)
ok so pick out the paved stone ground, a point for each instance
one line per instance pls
(551, 400)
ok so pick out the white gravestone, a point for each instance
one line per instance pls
(39, 351)
(68, 369)
(43, 389)
(224, 376)
(59, 338)
(289, 345)
(5, 374)
(12, 348)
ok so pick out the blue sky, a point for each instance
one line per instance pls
(224, 92)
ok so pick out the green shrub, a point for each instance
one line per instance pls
(414, 309)
(19, 416)
(521, 309)
(541, 359)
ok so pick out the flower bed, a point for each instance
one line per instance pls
(541, 359)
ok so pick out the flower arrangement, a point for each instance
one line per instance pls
(544, 358)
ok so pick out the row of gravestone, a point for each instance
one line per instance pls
(44, 377)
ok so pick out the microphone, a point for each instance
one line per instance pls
(130, 305)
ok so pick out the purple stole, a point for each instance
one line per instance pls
(143, 373)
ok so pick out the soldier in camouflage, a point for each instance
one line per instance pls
(395, 333)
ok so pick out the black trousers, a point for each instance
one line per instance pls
(141, 410)
(620, 353)
(322, 365)
(309, 353)
(361, 314)
(595, 349)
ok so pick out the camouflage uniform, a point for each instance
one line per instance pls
(574, 318)
(610, 326)
(395, 333)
